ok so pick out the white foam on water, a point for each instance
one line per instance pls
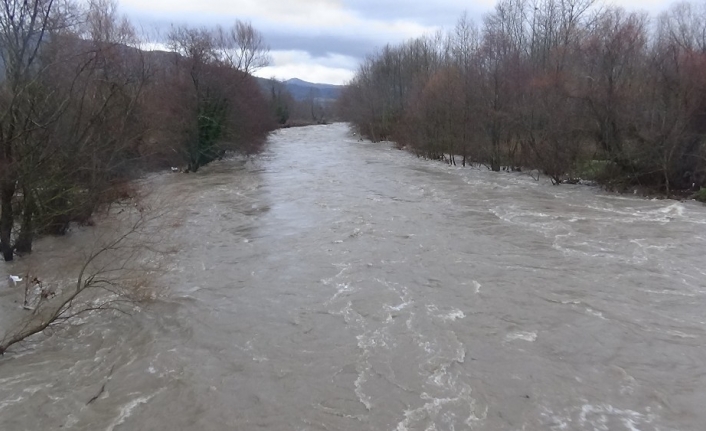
(427, 346)
(669, 292)
(344, 267)
(36, 388)
(642, 243)
(546, 224)
(604, 417)
(433, 411)
(399, 307)
(453, 315)
(359, 381)
(556, 422)
(17, 378)
(521, 335)
(341, 288)
(596, 313)
(366, 342)
(441, 376)
(127, 409)
(593, 249)
(477, 286)
(71, 420)
(679, 334)
(676, 209)
(10, 402)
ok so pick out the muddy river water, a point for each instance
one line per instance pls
(336, 284)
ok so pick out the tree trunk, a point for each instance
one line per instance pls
(7, 218)
(26, 236)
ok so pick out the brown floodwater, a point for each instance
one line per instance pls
(335, 284)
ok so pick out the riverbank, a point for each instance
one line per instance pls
(589, 175)
(291, 124)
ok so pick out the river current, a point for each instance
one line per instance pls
(335, 284)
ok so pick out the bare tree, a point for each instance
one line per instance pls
(68, 118)
(23, 28)
(564, 86)
(116, 273)
(219, 105)
(612, 60)
(242, 47)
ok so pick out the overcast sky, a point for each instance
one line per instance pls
(324, 40)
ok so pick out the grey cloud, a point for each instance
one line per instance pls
(430, 13)
(442, 14)
(316, 45)
(320, 45)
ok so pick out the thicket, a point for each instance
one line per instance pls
(83, 109)
(569, 87)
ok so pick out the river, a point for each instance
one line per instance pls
(335, 284)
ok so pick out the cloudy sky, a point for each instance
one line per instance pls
(324, 40)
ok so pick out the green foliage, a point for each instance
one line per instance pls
(591, 170)
(211, 125)
(700, 195)
(281, 113)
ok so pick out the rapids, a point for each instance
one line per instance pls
(336, 284)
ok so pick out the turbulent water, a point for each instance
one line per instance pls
(335, 284)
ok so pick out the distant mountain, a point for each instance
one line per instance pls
(302, 90)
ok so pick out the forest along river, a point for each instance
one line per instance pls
(336, 284)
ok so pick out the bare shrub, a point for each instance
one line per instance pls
(115, 273)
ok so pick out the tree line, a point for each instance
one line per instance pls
(570, 87)
(84, 109)
(292, 112)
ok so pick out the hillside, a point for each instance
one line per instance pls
(302, 90)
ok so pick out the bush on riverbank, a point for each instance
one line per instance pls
(701, 195)
(571, 89)
(83, 109)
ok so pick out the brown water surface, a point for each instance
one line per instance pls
(334, 284)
